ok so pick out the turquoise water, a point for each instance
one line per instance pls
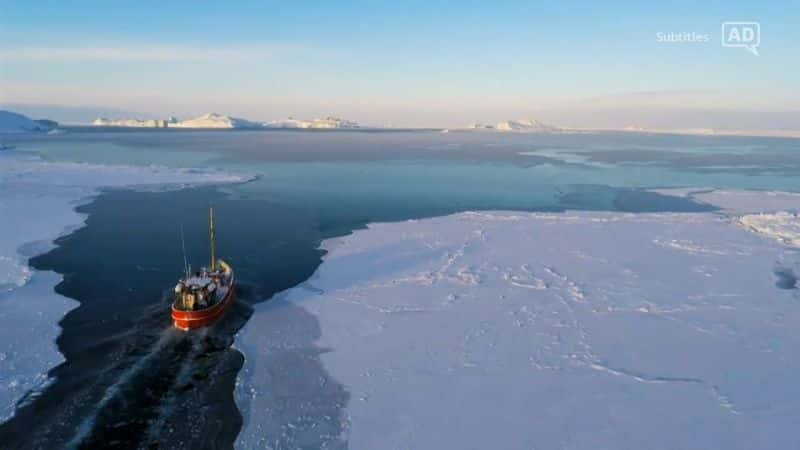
(443, 171)
(345, 179)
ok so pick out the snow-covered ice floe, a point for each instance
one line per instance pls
(784, 226)
(580, 330)
(736, 202)
(771, 213)
(37, 205)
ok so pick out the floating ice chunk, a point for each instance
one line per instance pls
(13, 274)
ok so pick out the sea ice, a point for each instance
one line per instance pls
(743, 202)
(580, 330)
(739, 202)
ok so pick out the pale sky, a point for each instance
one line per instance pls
(584, 64)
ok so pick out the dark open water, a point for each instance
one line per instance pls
(131, 381)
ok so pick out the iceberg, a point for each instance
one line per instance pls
(288, 123)
(333, 122)
(133, 123)
(37, 205)
(582, 330)
(526, 126)
(323, 123)
(214, 120)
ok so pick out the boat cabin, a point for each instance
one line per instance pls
(201, 290)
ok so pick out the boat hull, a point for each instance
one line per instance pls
(190, 320)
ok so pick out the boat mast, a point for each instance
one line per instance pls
(183, 247)
(211, 232)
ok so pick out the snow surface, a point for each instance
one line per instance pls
(581, 330)
(37, 204)
(13, 123)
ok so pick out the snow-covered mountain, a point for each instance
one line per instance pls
(327, 122)
(526, 126)
(146, 123)
(214, 120)
(11, 122)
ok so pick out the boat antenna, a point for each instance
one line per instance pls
(211, 237)
(183, 247)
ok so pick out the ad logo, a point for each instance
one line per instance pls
(745, 35)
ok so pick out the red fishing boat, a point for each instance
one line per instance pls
(202, 297)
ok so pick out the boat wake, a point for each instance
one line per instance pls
(145, 392)
(122, 385)
(145, 402)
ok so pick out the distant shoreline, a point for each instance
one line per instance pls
(790, 134)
